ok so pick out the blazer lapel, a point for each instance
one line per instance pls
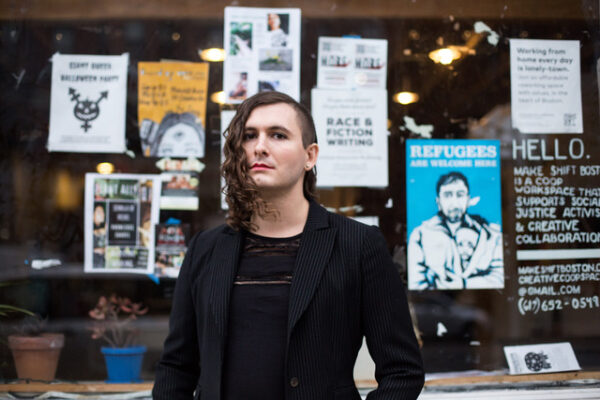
(223, 266)
(315, 248)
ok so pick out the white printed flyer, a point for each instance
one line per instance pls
(88, 103)
(121, 211)
(541, 358)
(545, 81)
(226, 117)
(350, 63)
(262, 47)
(353, 137)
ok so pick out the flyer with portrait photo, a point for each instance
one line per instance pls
(226, 117)
(179, 190)
(172, 108)
(454, 214)
(262, 47)
(171, 246)
(121, 211)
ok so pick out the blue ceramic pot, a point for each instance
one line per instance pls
(123, 364)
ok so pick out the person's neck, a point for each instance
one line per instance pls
(453, 226)
(289, 218)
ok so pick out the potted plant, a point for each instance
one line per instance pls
(35, 351)
(113, 317)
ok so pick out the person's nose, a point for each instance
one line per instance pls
(261, 148)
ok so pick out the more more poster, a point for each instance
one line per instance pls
(350, 63)
(545, 81)
(353, 137)
(262, 47)
(172, 108)
(121, 211)
(454, 214)
(87, 103)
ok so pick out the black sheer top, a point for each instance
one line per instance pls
(258, 312)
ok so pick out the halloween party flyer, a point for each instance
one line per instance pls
(262, 47)
(121, 211)
(88, 103)
(172, 108)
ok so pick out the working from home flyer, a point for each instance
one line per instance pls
(121, 211)
(454, 214)
(87, 103)
(545, 83)
(172, 108)
(262, 47)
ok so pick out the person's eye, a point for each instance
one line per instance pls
(279, 135)
(249, 136)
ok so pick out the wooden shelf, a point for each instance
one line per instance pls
(101, 387)
(500, 379)
(81, 387)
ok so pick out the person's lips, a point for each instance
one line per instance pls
(260, 166)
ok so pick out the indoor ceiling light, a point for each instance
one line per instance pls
(406, 97)
(445, 55)
(213, 55)
(218, 97)
(105, 168)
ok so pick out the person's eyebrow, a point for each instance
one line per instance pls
(270, 128)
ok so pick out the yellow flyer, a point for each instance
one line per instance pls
(172, 108)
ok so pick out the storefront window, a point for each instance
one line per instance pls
(544, 204)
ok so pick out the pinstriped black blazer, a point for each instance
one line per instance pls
(344, 286)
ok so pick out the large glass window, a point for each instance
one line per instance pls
(42, 192)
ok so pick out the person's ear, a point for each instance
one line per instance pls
(312, 152)
(437, 201)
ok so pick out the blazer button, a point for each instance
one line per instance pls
(294, 382)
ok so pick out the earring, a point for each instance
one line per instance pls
(308, 167)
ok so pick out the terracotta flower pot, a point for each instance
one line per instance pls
(36, 357)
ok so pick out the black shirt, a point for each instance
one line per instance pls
(258, 312)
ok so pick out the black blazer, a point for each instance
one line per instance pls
(344, 286)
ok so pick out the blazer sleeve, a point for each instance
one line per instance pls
(179, 367)
(387, 325)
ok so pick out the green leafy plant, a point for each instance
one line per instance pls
(32, 325)
(113, 317)
(6, 309)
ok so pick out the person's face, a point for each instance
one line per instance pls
(180, 140)
(465, 241)
(98, 215)
(453, 200)
(277, 159)
(274, 21)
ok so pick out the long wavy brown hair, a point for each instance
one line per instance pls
(240, 190)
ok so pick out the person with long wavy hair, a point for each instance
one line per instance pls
(275, 304)
(242, 193)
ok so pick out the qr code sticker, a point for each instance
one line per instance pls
(569, 119)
